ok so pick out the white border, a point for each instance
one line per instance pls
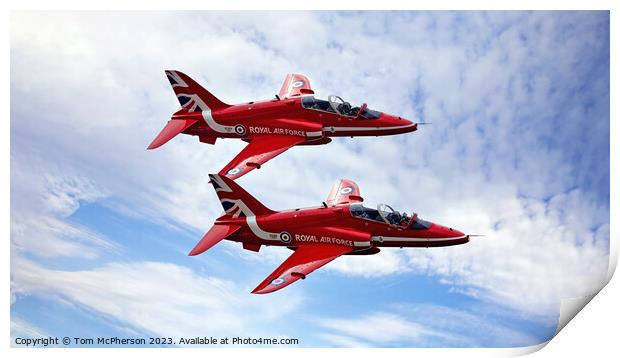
(593, 330)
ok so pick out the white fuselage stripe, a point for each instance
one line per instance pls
(214, 125)
(395, 238)
(346, 129)
(265, 235)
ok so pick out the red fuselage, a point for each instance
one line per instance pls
(288, 117)
(337, 225)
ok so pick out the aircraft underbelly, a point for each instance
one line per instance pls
(418, 242)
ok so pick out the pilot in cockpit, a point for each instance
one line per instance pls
(336, 104)
(404, 220)
(345, 109)
(398, 219)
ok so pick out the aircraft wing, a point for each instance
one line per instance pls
(300, 264)
(258, 152)
(344, 192)
(295, 85)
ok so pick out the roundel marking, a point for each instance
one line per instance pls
(297, 84)
(285, 237)
(278, 281)
(240, 129)
(346, 190)
(233, 171)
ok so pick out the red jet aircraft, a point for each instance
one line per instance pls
(341, 226)
(294, 117)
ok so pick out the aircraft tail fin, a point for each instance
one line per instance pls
(192, 96)
(235, 200)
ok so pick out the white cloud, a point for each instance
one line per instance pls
(157, 298)
(420, 325)
(532, 259)
(25, 329)
(337, 340)
(379, 328)
(47, 236)
(22, 329)
(43, 196)
(387, 262)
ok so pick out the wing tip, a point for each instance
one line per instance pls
(232, 176)
(153, 145)
(268, 286)
(262, 290)
(198, 249)
(194, 252)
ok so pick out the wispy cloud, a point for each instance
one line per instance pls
(380, 328)
(47, 236)
(25, 329)
(156, 298)
(43, 196)
(421, 325)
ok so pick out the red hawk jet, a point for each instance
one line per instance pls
(294, 117)
(341, 226)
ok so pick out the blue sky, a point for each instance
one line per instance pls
(518, 151)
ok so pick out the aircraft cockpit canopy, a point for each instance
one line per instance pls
(335, 104)
(386, 214)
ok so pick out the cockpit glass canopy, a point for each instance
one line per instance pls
(387, 215)
(360, 211)
(336, 104)
(420, 224)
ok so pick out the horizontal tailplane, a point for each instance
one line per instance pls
(216, 234)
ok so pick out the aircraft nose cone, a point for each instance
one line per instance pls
(445, 231)
(409, 125)
(399, 124)
(458, 233)
(414, 126)
(455, 233)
